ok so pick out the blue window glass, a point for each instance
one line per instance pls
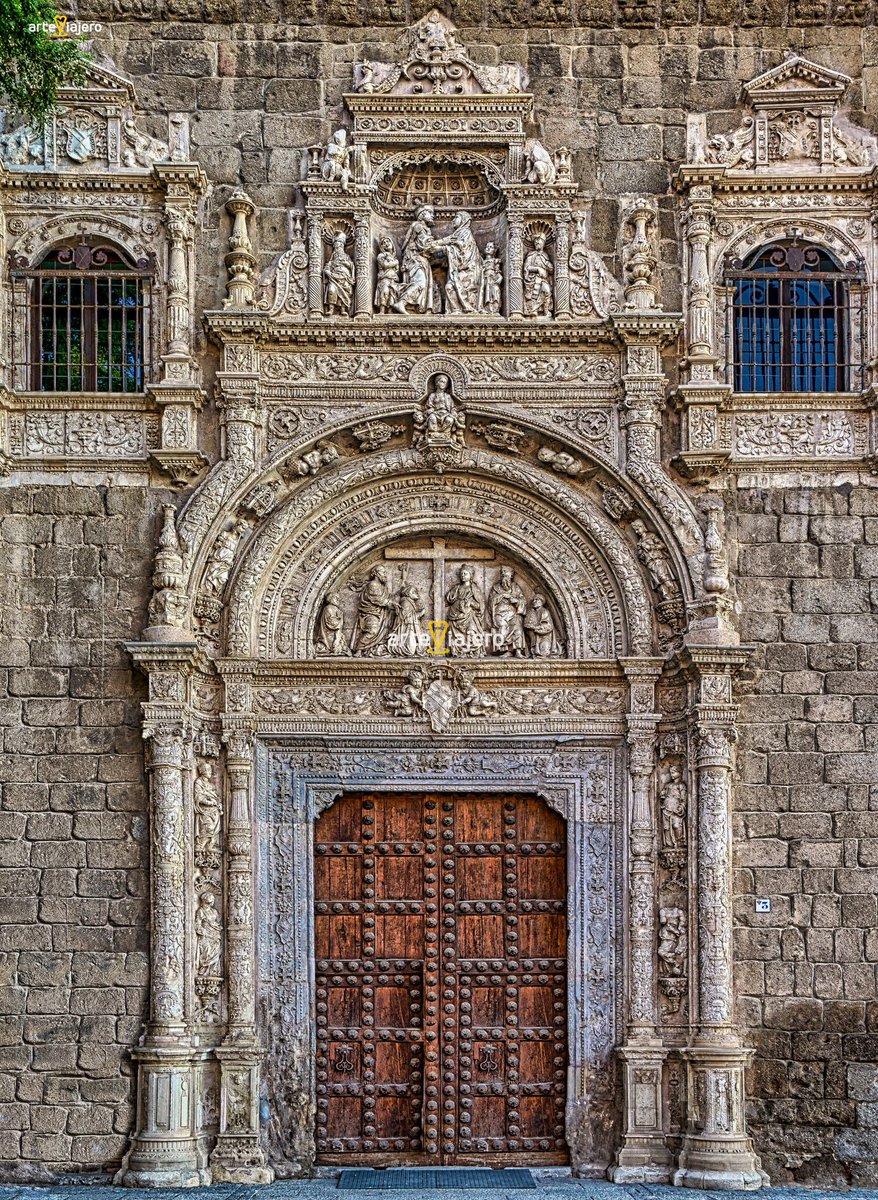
(790, 321)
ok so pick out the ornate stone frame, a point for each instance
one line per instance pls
(304, 778)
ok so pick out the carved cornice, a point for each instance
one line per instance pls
(727, 179)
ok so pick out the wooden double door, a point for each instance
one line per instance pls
(441, 980)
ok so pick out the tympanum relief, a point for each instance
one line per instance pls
(437, 598)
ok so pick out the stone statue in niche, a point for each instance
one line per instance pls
(336, 166)
(208, 937)
(417, 272)
(339, 276)
(440, 422)
(330, 627)
(464, 283)
(465, 615)
(537, 274)
(492, 280)
(540, 167)
(540, 629)
(376, 614)
(387, 283)
(205, 801)
(673, 802)
(672, 943)
(507, 606)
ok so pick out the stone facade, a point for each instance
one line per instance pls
(209, 522)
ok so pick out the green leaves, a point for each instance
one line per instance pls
(33, 62)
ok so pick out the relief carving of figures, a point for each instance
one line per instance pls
(142, 150)
(408, 637)
(222, 556)
(474, 702)
(376, 615)
(336, 166)
(541, 629)
(169, 605)
(593, 290)
(735, 149)
(417, 272)
(339, 276)
(387, 284)
(310, 463)
(507, 606)
(465, 615)
(538, 273)
(651, 552)
(673, 941)
(409, 700)
(330, 627)
(464, 283)
(492, 280)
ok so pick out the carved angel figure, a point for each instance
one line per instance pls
(409, 700)
(339, 276)
(492, 278)
(541, 629)
(540, 168)
(465, 615)
(376, 615)
(507, 605)
(387, 284)
(538, 272)
(474, 702)
(330, 627)
(337, 160)
(673, 798)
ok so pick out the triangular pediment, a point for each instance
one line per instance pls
(797, 80)
(101, 86)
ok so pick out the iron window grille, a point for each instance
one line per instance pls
(83, 321)
(796, 321)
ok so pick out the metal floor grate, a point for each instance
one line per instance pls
(413, 1178)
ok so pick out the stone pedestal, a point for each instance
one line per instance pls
(163, 1153)
(238, 1156)
(717, 1152)
(644, 1156)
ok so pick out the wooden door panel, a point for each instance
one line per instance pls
(440, 937)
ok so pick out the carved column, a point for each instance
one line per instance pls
(514, 266)
(717, 1153)
(163, 1151)
(643, 1156)
(178, 393)
(640, 258)
(562, 266)
(240, 261)
(238, 1156)
(363, 278)
(315, 265)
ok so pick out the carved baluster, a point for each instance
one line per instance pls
(163, 1151)
(716, 1150)
(640, 259)
(643, 1155)
(363, 279)
(514, 289)
(179, 223)
(562, 266)
(698, 234)
(240, 261)
(238, 1156)
(315, 265)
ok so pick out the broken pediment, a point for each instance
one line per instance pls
(93, 128)
(793, 123)
(431, 61)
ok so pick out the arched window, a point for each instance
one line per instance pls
(86, 327)
(792, 328)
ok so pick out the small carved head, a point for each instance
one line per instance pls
(506, 575)
(490, 250)
(379, 572)
(539, 600)
(466, 574)
(442, 382)
(386, 243)
(539, 241)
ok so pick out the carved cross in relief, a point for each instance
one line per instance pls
(439, 554)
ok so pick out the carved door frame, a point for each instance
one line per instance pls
(298, 779)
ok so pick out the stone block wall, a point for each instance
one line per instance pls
(807, 828)
(74, 919)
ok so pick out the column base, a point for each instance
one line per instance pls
(643, 1156)
(164, 1150)
(161, 1177)
(717, 1153)
(237, 1156)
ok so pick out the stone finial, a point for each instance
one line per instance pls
(240, 261)
(640, 257)
(168, 607)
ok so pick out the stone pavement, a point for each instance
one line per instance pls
(548, 1188)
